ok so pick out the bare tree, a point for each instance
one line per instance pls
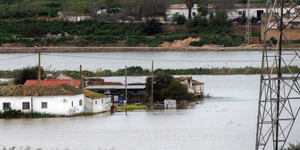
(108, 4)
(145, 8)
(18, 7)
(189, 5)
(225, 5)
(37, 6)
(93, 6)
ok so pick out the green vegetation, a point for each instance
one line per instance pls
(27, 73)
(180, 19)
(132, 107)
(292, 147)
(166, 87)
(139, 71)
(15, 114)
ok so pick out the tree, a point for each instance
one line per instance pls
(37, 6)
(108, 4)
(165, 86)
(189, 5)
(221, 19)
(177, 91)
(203, 7)
(27, 73)
(144, 8)
(93, 6)
(160, 82)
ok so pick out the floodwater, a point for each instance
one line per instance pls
(116, 60)
(225, 121)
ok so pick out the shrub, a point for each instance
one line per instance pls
(221, 19)
(273, 40)
(180, 19)
(191, 23)
(151, 27)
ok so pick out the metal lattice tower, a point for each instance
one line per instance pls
(248, 25)
(279, 85)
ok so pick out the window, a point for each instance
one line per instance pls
(178, 13)
(6, 106)
(44, 105)
(240, 12)
(72, 103)
(194, 13)
(25, 105)
(80, 102)
(102, 101)
(95, 101)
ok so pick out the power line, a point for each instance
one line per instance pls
(16, 57)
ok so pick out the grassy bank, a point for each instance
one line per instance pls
(15, 114)
(139, 71)
(132, 107)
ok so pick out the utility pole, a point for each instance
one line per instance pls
(81, 85)
(126, 90)
(39, 76)
(152, 86)
(248, 24)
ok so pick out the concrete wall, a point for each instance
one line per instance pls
(252, 11)
(61, 105)
(291, 34)
(97, 105)
(184, 12)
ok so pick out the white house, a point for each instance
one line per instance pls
(255, 10)
(192, 86)
(180, 9)
(95, 102)
(56, 99)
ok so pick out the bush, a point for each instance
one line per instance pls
(151, 27)
(190, 23)
(180, 19)
(273, 40)
(221, 19)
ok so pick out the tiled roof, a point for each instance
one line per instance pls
(34, 90)
(92, 94)
(180, 6)
(76, 82)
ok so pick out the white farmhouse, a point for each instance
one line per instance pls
(192, 86)
(256, 10)
(180, 9)
(56, 99)
(95, 102)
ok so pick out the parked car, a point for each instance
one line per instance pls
(115, 10)
(238, 19)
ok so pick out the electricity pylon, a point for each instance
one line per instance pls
(279, 84)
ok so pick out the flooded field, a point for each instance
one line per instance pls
(225, 121)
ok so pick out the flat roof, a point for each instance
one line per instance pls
(129, 87)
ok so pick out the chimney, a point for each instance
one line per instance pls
(71, 78)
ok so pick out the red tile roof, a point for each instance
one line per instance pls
(76, 82)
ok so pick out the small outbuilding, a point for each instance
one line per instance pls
(168, 103)
(95, 102)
